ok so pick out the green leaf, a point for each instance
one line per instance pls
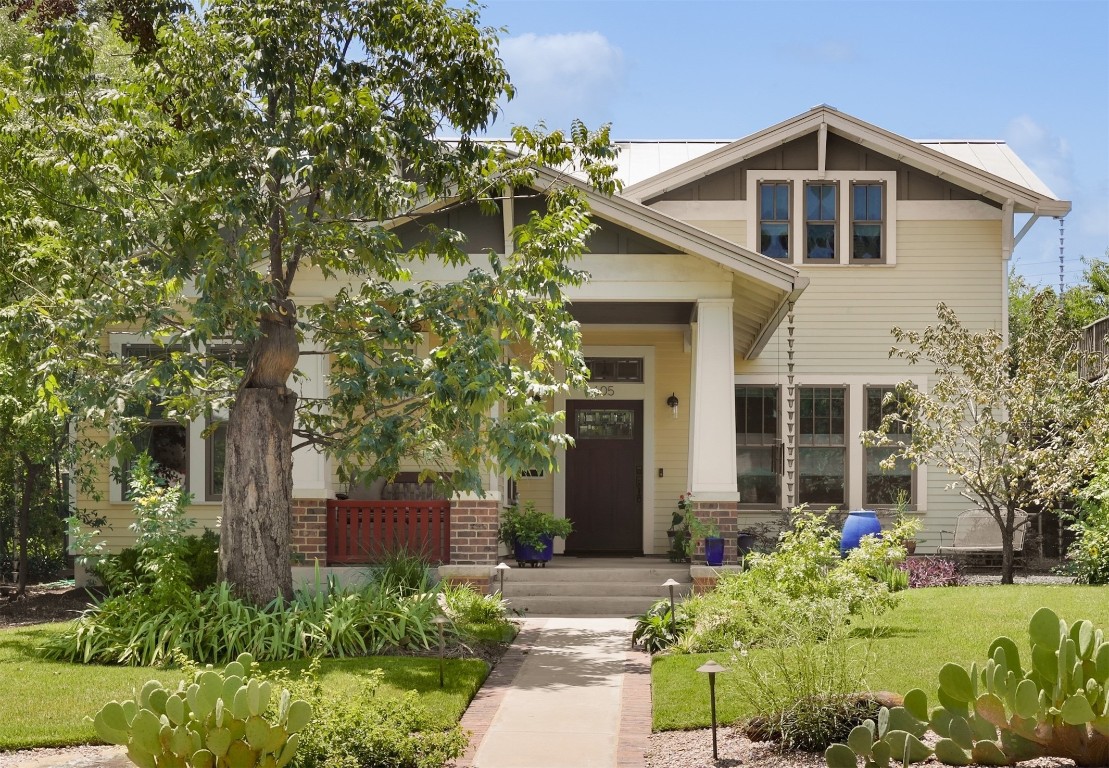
(955, 683)
(1076, 710)
(840, 756)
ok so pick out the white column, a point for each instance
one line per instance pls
(311, 469)
(712, 412)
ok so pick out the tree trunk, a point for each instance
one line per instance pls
(31, 472)
(1007, 549)
(257, 496)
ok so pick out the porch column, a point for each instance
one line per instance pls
(712, 467)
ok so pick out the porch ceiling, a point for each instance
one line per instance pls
(632, 312)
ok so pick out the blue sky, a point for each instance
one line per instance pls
(1035, 74)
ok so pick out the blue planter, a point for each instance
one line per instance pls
(714, 550)
(857, 525)
(533, 556)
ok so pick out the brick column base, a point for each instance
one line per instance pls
(725, 515)
(309, 534)
(474, 525)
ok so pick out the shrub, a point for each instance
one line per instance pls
(803, 580)
(528, 527)
(403, 569)
(122, 573)
(365, 732)
(476, 616)
(932, 572)
(1088, 557)
(653, 628)
(803, 684)
(45, 559)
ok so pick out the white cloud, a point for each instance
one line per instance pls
(562, 76)
(1049, 156)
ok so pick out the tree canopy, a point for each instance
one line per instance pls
(263, 145)
(1015, 424)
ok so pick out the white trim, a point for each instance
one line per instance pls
(644, 391)
(947, 210)
(842, 180)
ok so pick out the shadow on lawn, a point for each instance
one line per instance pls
(23, 644)
(884, 632)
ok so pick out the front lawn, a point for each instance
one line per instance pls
(44, 703)
(908, 645)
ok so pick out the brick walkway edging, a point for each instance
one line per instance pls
(479, 715)
(635, 710)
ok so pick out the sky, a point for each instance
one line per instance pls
(1035, 74)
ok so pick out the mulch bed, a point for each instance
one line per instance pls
(44, 604)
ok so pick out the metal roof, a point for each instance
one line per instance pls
(993, 157)
(639, 160)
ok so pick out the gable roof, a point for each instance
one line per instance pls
(988, 168)
(762, 288)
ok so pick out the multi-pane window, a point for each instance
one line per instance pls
(166, 440)
(215, 450)
(822, 445)
(884, 486)
(774, 219)
(820, 222)
(867, 205)
(757, 445)
(615, 369)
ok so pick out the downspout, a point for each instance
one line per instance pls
(1007, 245)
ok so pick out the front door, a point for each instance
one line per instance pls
(604, 477)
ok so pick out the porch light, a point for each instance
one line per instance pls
(672, 401)
(673, 621)
(501, 570)
(711, 668)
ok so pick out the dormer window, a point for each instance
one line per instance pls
(820, 222)
(774, 219)
(867, 222)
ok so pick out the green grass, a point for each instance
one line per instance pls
(908, 645)
(44, 703)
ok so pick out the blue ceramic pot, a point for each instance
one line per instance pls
(534, 555)
(714, 550)
(858, 524)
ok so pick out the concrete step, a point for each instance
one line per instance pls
(580, 606)
(552, 573)
(591, 589)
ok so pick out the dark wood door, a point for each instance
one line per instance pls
(604, 476)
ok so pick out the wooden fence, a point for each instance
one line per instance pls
(363, 531)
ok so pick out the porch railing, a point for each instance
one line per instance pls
(1095, 343)
(363, 531)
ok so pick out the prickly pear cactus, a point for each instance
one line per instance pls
(1003, 714)
(216, 722)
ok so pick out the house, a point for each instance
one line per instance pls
(737, 325)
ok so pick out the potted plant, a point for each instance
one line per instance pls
(703, 529)
(530, 533)
(905, 526)
(678, 532)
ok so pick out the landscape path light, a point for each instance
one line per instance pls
(441, 621)
(712, 668)
(673, 621)
(501, 570)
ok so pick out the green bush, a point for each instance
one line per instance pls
(653, 630)
(803, 684)
(475, 616)
(215, 627)
(1088, 557)
(45, 559)
(365, 732)
(803, 580)
(122, 573)
(403, 569)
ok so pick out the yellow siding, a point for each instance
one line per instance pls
(845, 316)
(734, 230)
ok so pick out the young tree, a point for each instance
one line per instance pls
(1017, 425)
(270, 142)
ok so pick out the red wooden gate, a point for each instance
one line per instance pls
(363, 531)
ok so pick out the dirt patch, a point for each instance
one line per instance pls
(44, 604)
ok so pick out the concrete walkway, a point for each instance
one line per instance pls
(569, 694)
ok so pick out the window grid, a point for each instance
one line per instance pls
(868, 221)
(615, 369)
(883, 487)
(758, 466)
(820, 221)
(774, 219)
(822, 445)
